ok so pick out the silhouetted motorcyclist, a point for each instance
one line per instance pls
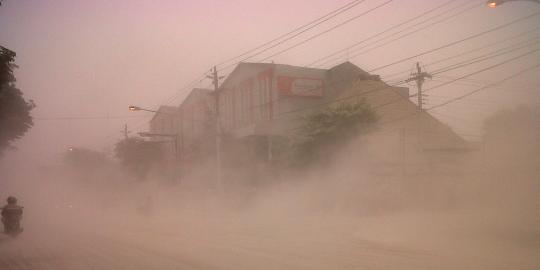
(11, 216)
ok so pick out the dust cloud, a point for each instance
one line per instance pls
(481, 212)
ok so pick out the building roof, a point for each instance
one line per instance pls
(348, 80)
(242, 66)
(194, 93)
(396, 109)
(164, 110)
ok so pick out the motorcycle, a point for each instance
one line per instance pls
(12, 221)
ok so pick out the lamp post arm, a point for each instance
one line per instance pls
(494, 3)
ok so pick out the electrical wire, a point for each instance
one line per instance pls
(313, 24)
(380, 33)
(327, 30)
(378, 43)
(514, 75)
(467, 8)
(482, 70)
(484, 57)
(484, 47)
(459, 41)
(476, 82)
(85, 117)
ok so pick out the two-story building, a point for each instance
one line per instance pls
(260, 100)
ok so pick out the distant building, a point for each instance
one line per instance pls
(266, 99)
(255, 94)
(261, 101)
(406, 139)
(164, 128)
(164, 120)
(196, 124)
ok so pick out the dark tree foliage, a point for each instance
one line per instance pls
(85, 160)
(325, 132)
(138, 155)
(15, 118)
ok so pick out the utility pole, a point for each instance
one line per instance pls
(419, 77)
(215, 80)
(125, 131)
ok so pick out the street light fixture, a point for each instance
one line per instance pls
(496, 3)
(137, 108)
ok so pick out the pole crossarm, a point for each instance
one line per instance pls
(419, 77)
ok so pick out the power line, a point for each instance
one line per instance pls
(484, 57)
(459, 41)
(275, 45)
(85, 117)
(487, 86)
(468, 94)
(199, 79)
(467, 8)
(483, 47)
(482, 70)
(475, 82)
(382, 39)
(327, 30)
(378, 34)
(315, 23)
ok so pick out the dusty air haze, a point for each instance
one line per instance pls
(84, 62)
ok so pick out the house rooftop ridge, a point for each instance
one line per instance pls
(280, 65)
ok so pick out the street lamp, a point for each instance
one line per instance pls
(173, 137)
(137, 108)
(496, 3)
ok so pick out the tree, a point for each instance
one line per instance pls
(325, 132)
(15, 118)
(138, 155)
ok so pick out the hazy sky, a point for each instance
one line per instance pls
(94, 58)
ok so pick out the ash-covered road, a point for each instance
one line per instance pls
(238, 243)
